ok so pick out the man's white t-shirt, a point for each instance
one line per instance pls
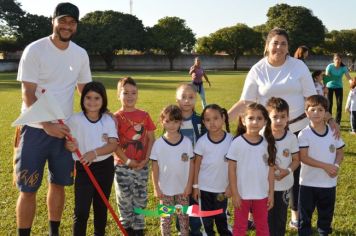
(91, 135)
(213, 173)
(291, 81)
(174, 163)
(54, 70)
(321, 148)
(252, 167)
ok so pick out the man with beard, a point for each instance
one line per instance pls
(57, 65)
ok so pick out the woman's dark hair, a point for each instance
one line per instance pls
(316, 74)
(173, 112)
(299, 53)
(99, 88)
(241, 129)
(279, 105)
(271, 34)
(339, 56)
(222, 111)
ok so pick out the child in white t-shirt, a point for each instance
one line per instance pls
(321, 89)
(251, 169)
(211, 168)
(172, 168)
(287, 160)
(321, 155)
(350, 106)
(96, 137)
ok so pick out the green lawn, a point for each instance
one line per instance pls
(156, 90)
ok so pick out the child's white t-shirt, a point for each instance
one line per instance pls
(286, 146)
(321, 148)
(91, 135)
(173, 162)
(319, 88)
(351, 100)
(252, 167)
(213, 174)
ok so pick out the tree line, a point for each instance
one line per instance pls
(109, 33)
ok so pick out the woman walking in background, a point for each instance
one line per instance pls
(197, 73)
(334, 73)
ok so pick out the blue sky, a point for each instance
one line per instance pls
(207, 16)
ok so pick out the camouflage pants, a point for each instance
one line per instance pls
(182, 218)
(131, 192)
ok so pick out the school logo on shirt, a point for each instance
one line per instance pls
(105, 137)
(332, 148)
(286, 152)
(184, 157)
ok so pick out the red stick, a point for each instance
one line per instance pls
(98, 188)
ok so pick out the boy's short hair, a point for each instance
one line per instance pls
(173, 111)
(316, 100)
(127, 80)
(184, 86)
(278, 104)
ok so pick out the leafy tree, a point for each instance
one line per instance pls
(205, 46)
(302, 26)
(172, 36)
(106, 32)
(24, 27)
(32, 27)
(10, 14)
(343, 41)
(236, 40)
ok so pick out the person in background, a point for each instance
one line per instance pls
(57, 65)
(321, 89)
(302, 53)
(197, 73)
(350, 106)
(334, 73)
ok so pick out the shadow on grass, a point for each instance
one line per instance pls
(9, 84)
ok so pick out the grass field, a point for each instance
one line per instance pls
(156, 90)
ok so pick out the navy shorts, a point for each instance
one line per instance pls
(34, 149)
